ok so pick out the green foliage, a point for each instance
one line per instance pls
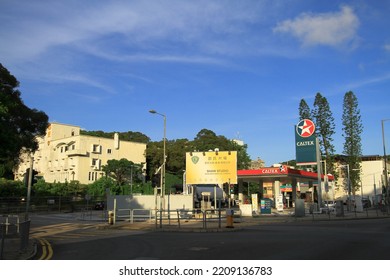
(124, 136)
(325, 129)
(98, 188)
(73, 188)
(304, 110)
(123, 171)
(352, 129)
(10, 188)
(172, 180)
(176, 151)
(19, 125)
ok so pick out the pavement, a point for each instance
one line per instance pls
(12, 249)
(12, 244)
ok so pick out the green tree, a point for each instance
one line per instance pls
(352, 129)
(10, 188)
(98, 188)
(207, 140)
(304, 110)
(19, 125)
(176, 151)
(122, 171)
(124, 136)
(325, 129)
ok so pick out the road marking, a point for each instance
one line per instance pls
(198, 249)
(47, 250)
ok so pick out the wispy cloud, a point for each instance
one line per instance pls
(357, 84)
(368, 81)
(330, 29)
(137, 24)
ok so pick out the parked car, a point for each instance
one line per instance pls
(99, 205)
(366, 202)
(330, 203)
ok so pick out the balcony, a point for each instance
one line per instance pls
(78, 152)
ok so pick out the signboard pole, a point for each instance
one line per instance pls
(319, 187)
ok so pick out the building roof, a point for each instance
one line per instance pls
(282, 171)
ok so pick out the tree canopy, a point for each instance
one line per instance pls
(176, 150)
(122, 171)
(352, 129)
(325, 129)
(125, 136)
(304, 110)
(19, 124)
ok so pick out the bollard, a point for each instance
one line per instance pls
(110, 217)
(229, 218)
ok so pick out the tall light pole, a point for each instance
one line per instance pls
(164, 153)
(348, 184)
(385, 159)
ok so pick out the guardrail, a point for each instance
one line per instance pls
(134, 214)
(331, 212)
(206, 216)
(173, 217)
(10, 223)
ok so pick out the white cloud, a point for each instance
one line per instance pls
(387, 47)
(137, 24)
(331, 29)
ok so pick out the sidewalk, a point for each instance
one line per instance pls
(11, 250)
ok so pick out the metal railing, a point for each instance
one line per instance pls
(134, 214)
(332, 214)
(11, 226)
(207, 217)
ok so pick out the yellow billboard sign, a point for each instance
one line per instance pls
(211, 167)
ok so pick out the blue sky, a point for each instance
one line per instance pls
(238, 68)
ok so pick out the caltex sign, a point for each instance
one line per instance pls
(305, 143)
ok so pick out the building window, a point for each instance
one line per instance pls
(96, 163)
(92, 176)
(109, 151)
(96, 149)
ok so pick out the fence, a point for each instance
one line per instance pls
(331, 213)
(17, 205)
(11, 227)
(204, 218)
(134, 214)
(195, 218)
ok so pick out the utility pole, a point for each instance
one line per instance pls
(29, 184)
(386, 181)
(319, 188)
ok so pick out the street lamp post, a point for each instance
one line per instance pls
(385, 161)
(162, 194)
(348, 185)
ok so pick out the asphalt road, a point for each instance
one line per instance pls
(366, 239)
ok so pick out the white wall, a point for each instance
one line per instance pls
(177, 201)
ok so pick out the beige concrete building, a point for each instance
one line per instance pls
(372, 179)
(65, 155)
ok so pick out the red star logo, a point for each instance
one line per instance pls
(305, 128)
